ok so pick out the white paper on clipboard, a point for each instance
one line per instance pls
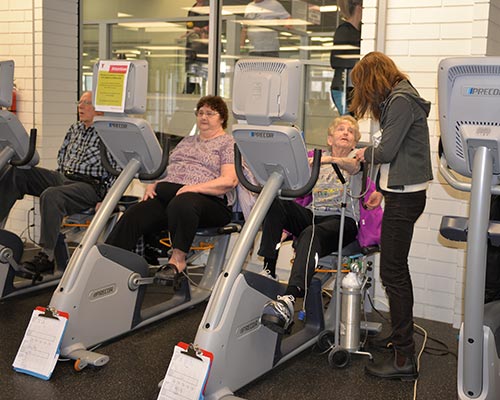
(39, 350)
(186, 376)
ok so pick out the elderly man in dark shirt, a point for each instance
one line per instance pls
(79, 183)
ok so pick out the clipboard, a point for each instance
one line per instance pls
(187, 373)
(39, 350)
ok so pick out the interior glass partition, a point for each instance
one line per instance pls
(90, 53)
(167, 37)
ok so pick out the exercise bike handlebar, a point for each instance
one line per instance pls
(291, 193)
(31, 151)
(455, 182)
(339, 173)
(163, 164)
(142, 176)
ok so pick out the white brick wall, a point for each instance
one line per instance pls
(43, 43)
(418, 34)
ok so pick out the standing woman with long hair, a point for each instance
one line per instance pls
(383, 92)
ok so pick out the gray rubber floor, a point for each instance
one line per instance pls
(139, 361)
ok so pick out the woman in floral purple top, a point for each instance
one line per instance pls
(192, 195)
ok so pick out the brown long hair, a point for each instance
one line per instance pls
(373, 78)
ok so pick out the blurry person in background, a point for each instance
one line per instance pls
(342, 59)
(196, 48)
(264, 41)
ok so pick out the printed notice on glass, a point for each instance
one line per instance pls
(111, 86)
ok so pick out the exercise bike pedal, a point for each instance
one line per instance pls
(176, 281)
(275, 324)
(179, 282)
(33, 276)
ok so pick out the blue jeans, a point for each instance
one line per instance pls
(401, 211)
(339, 101)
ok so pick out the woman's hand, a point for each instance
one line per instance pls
(374, 200)
(360, 154)
(150, 192)
(187, 188)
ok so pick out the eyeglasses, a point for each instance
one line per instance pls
(85, 103)
(201, 113)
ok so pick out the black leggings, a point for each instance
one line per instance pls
(401, 211)
(182, 215)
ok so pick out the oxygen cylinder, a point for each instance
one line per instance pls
(350, 312)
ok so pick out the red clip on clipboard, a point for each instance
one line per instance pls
(187, 373)
(39, 350)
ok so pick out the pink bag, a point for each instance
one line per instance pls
(370, 221)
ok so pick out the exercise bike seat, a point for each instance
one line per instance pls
(235, 225)
(85, 216)
(353, 249)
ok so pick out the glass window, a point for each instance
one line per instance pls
(90, 53)
(173, 37)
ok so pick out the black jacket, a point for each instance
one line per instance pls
(345, 33)
(405, 137)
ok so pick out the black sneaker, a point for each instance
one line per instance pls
(277, 315)
(39, 264)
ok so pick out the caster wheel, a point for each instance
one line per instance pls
(79, 365)
(339, 358)
(325, 340)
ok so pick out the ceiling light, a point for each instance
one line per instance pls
(168, 48)
(328, 8)
(274, 22)
(158, 26)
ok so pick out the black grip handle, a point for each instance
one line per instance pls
(238, 165)
(339, 173)
(105, 160)
(163, 164)
(292, 193)
(31, 151)
(144, 176)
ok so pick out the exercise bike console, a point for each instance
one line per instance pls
(470, 132)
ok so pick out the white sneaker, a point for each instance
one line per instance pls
(267, 273)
